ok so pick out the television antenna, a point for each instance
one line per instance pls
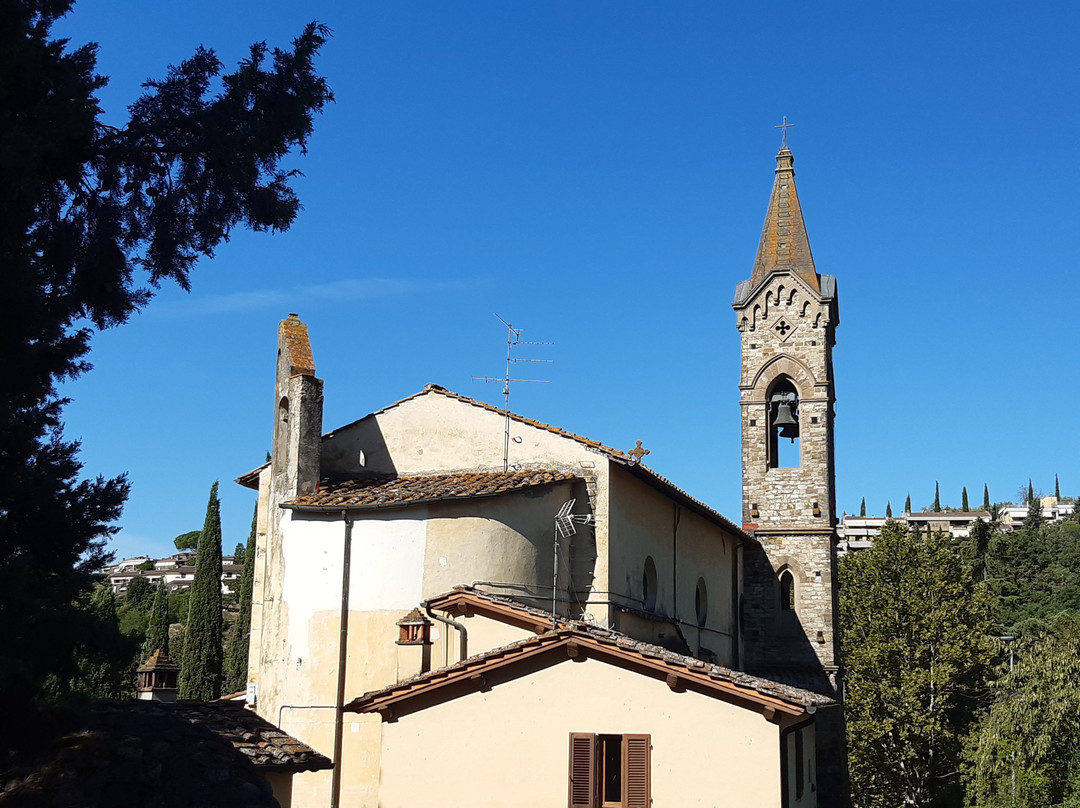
(513, 339)
(565, 526)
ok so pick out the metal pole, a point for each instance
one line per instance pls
(343, 651)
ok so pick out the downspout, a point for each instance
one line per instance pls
(343, 637)
(463, 632)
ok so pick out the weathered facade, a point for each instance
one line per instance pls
(473, 578)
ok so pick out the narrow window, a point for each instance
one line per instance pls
(787, 591)
(648, 585)
(610, 771)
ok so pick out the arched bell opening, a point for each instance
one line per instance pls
(783, 426)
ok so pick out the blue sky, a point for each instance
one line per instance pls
(597, 173)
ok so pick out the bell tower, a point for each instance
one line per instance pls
(786, 313)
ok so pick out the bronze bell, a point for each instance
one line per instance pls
(789, 425)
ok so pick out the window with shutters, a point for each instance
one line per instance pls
(609, 771)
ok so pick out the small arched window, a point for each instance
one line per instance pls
(787, 591)
(648, 585)
(701, 603)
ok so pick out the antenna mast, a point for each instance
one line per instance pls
(513, 338)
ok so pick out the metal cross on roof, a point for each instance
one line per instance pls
(638, 452)
(784, 126)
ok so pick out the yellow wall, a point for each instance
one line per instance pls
(509, 746)
(685, 548)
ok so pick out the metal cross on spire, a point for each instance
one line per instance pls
(784, 126)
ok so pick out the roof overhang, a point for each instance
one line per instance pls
(485, 671)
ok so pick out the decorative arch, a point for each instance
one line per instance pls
(784, 365)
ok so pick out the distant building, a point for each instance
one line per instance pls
(858, 532)
(173, 570)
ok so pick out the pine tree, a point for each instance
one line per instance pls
(157, 633)
(964, 501)
(907, 504)
(236, 655)
(201, 663)
(888, 509)
(99, 211)
(937, 497)
(862, 507)
(986, 497)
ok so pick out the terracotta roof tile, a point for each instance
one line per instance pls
(795, 696)
(383, 492)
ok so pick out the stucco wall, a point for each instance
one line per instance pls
(509, 746)
(685, 548)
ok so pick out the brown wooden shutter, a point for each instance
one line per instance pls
(582, 770)
(636, 771)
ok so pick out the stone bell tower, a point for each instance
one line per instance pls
(786, 313)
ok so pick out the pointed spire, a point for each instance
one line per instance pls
(784, 244)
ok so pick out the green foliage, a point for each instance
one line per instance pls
(888, 509)
(1057, 487)
(201, 663)
(937, 497)
(187, 541)
(1034, 574)
(915, 626)
(146, 566)
(239, 553)
(862, 507)
(1025, 752)
(964, 501)
(94, 218)
(986, 497)
(907, 504)
(102, 656)
(157, 632)
(140, 593)
(236, 655)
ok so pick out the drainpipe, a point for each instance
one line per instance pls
(464, 634)
(343, 637)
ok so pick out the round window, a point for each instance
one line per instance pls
(701, 603)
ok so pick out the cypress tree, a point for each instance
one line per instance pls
(236, 655)
(888, 509)
(1057, 488)
(986, 497)
(1031, 492)
(157, 633)
(862, 507)
(907, 504)
(937, 497)
(201, 663)
(964, 501)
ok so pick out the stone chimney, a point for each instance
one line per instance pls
(414, 645)
(297, 414)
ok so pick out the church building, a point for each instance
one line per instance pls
(461, 605)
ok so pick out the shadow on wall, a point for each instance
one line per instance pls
(358, 449)
(775, 640)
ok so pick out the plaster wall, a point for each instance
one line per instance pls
(685, 549)
(435, 433)
(510, 744)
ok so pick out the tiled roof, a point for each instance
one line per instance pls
(398, 491)
(252, 735)
(605, 641)
(149, 753)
